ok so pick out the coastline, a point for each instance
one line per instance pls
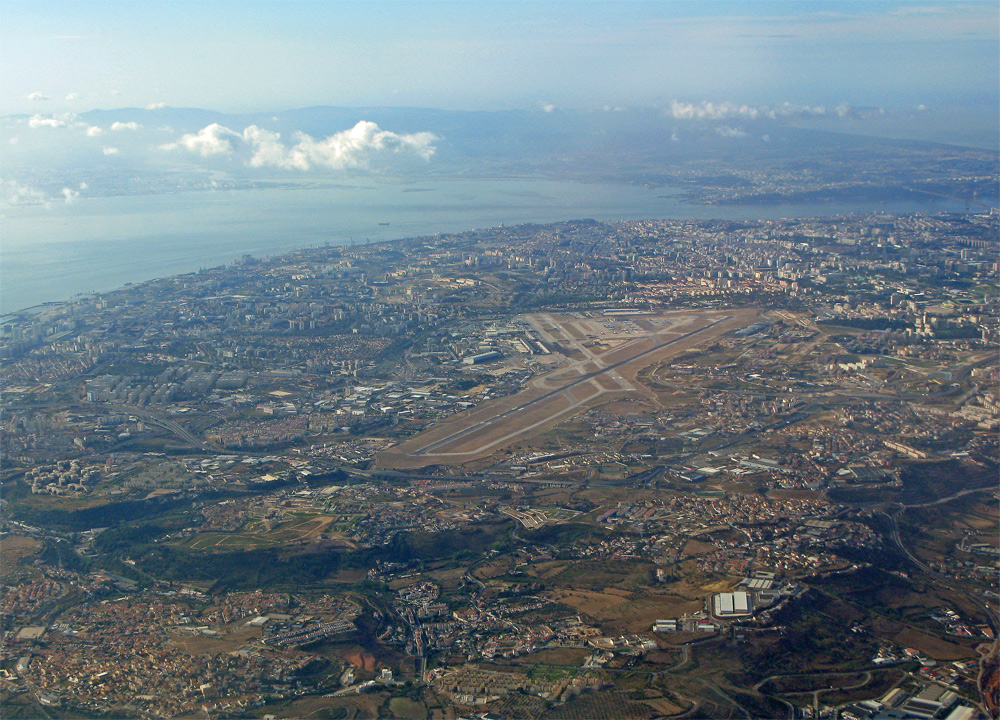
(90, 246)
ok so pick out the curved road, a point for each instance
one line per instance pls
(174, 427)
(991, 614)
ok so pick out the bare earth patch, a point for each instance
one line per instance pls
(15, 547)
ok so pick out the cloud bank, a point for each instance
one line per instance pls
(358, 148)
(729, 132)
(43, 121)
(706, 110)
(13, 192)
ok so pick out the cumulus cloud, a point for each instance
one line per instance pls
(548, 107)
(14, 193)
(729, 132)
(359, 147)
(73, 96)
(110, 150)
(94, 131)
(70, 194)
(706, 110)
(211, 140)
(132, 125)
(156, 106)
(711, 111)
(61, 120)
(37, 96)
(269, 151)
(43, 121)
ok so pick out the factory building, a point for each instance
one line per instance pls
(732, 604)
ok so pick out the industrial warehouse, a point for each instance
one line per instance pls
(732, 604)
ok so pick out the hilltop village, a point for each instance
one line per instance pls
(635, 470)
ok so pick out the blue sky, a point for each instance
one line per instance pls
(244, 56)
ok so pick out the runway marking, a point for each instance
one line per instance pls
(585, 377)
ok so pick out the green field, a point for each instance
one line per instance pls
(301, 527)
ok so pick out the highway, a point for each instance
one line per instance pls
(176, 428)
(991, 613)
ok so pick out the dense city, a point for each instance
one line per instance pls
(636, 470)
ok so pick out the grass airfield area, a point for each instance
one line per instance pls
(600, 360)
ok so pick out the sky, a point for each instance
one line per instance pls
(61, 57)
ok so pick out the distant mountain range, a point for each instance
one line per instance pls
(517, 134)
(721, 152)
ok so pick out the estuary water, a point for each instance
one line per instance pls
(54, 251)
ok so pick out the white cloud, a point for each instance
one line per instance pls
(132, 125)
(94, 131)
(211, 140)
(792, 110)
(359, 147)
(156, 106)
(269, 151)
(73, 96)
(62, 120)
(70, 194)
(729, 132)
(13, 193)
(110, 150)
(712, 111)
(37, 96)
(706, 110)
(40, 121)
(548, 107)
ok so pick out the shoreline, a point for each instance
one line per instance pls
(169, 252)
